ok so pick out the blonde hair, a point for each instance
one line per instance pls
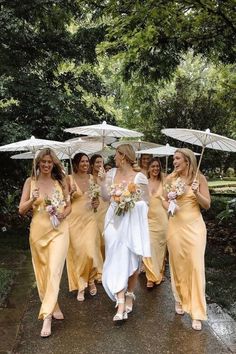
(57, 170)
(129, 154)
(191, 160)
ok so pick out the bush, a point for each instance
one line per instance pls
(230, 172)
(6, 280)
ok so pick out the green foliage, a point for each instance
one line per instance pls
(6, 280)
(229, 213)
(230, 172)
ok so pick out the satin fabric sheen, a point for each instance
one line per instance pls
(157, 222)
(126, 240)
(186, 240)
(84, 260)
(49, 247)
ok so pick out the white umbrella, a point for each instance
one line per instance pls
(202, 138)
(103, 130)
(33, 144)
(29, 155)
(162, 151)
(137, 144)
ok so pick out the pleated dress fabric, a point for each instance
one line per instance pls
(100, 217)
(186, 240)
(126, 241)
(84, 260)
(49, 248)
(157, 222)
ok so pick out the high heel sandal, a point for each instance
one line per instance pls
(80, 296)
(178, 308)
(196, 325)
(46, 329)
(120, 317)
(92, 289)
(150, 284)
(129, 308)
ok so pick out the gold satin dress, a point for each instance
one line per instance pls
(84, 259)
(186, 241)
(157, 222)
(100, 216)
(49, 248)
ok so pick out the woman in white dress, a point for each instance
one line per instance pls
(126, 235)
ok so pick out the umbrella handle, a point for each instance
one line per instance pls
(199, 162)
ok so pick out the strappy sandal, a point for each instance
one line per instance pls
(120, 317)
(80, 296)
(129, 308)
(178, 308)
(197, 325)
(46, 329)
(92, 289)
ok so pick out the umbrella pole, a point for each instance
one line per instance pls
(199, 162)
(166, 164)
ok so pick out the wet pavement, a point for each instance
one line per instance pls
(153, 327)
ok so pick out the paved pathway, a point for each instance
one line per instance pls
(152, 328)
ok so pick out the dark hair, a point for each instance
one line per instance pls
(140, 159)
(94, 158)
(76, 160)
(156, 159)
(58, 172)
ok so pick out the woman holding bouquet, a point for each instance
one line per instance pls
(84, 260)
(96, 163)
(47, 195)
(126, 229)
(186, 237)
(157, 221)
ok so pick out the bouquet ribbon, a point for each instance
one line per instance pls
(172, 207)
(54, 221)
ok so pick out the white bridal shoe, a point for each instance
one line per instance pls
(129, 308)
(120, 317)
(46, 329)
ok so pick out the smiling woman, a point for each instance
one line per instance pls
(47, 195)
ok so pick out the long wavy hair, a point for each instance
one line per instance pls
(129, 154)
(160, 176)
(191, 160)
(76, 160)
(58, 172)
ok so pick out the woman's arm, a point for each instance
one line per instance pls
(201, 191)
(27, 201)
(67, 208)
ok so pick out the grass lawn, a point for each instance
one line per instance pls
(221, 183)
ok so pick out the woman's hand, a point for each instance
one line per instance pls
(195, 186)
(95, 203)
(101, 176)
(35, 194)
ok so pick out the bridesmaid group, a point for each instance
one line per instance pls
(70, 224)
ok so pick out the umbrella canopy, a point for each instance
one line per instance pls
(202, 138)
(33, 144)
(29, 156)
(165, 150)
(103, 130)
(137, 144)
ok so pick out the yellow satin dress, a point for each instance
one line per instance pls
(100, 216)
(84, 259)
(186, 242)
(157, 222)
(49, 248)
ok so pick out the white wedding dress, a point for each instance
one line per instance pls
(126, 241)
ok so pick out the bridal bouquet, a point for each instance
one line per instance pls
(51, 206)
(125, 195)
(174, 190)
(94, 192)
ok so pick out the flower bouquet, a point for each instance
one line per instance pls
(51, 206)
(174, 190)
(125, 195)
(94, 192)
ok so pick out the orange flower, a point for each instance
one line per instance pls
(132, 187)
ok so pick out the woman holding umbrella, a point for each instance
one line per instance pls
(186, 236)
(84, 261)
(157, 222)
(47, 195)
(126, 229)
